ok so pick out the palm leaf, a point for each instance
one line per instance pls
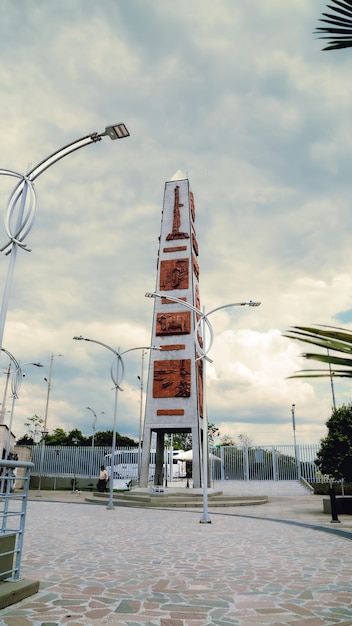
(321, 339)
(329, 338)
(327, 358)
(340, 37)
(326, 374)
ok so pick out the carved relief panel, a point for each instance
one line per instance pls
(174, 274)
(172, 378)
(173, 323)
(176, 221)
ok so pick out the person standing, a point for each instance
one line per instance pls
(103, 480)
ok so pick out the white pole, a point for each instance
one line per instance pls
(205, 519)
(110, 506)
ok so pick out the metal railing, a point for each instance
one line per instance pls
(280, 462)
(265, 463)
(13, 506)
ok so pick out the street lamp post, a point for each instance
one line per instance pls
(23, 198)
(94, 427)
(7, 372)
(140, 378)
(16, 381)
(74, 480)
(45, 431)
(203, 350)
(298, 465)
(117, 379)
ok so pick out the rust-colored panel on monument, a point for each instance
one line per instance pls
(195, 266)
(170, 412)
(195, 244)
(200, 386)
(168, 301)
(173, 323)
(172, 378)
(176, 222)
(176, 249)
(174, 274)
(173, 346)
(191, 202)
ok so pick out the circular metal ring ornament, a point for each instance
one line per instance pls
(22, 201)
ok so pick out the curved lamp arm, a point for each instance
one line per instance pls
(115, 352)
(116, 131)
(95, 417)
(203, 354)
(203, 318)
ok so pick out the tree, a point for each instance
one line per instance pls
(335, 454)
(183, 441)
(75, 437)
(179, 441)
(227, 440)
(243, 440)
(57, 438)
(213, 432)
(34, 425)
(339, 30)
(104, 438)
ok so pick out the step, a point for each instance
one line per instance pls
(177, 502)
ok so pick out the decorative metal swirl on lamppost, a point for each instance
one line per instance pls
(203, 350)
(117, 378)
(23, 201)
(16, 382)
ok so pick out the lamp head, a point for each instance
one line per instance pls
(116, 131)
(80, 338)
(251, 303)
(150, 294)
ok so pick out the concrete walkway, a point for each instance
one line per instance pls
(281, 563)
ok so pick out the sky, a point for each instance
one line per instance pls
(240, 98)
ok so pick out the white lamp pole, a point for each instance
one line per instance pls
(16, 381)
(93, 436)
(45, 431)
(140, 378)
(23, 198)
(117, 379)
(203, 351)
(3, 406)
(295, 441)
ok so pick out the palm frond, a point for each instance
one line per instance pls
(329, 338)
(327, 358)
(340, 37)
(325, 374)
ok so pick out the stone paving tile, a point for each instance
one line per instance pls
(163, 568)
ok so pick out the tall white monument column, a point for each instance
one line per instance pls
(174, 389)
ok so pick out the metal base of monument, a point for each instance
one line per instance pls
(175, 498)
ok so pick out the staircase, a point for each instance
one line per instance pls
(174, 500)
(223, 494)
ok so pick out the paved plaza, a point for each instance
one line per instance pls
(280, 563)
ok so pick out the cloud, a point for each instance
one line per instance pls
(237, 96)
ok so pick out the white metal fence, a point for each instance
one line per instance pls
(284, 462)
